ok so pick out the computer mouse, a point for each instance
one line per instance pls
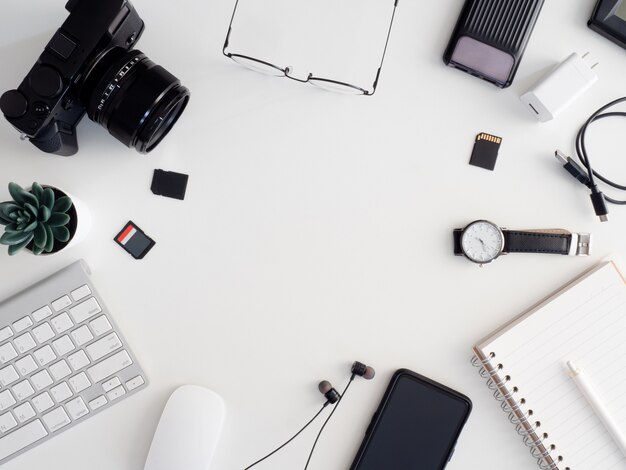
(188, 431)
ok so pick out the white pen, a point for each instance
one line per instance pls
(582, 382)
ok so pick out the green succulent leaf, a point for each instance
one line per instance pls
(13, 238)
(41, 236)
(63, 204)
(37, 190)
(48, 198)
(21, 196)
(32, 210)
(7, 209)
(50, 239)
(44, 213)
(61, 233)
(29, 227)
(13, 249)
(58, 220)
(12, 228)
(37, 250)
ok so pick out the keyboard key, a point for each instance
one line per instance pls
(7, 422)
(6, 400)
(23, 390)
(21, 438)
(8, 375)
(60, 304)
(45, 355)
(83, 311)
(80, 293)
(104, 346)
(133, 383)
(60, 370)
(43, 333)
(82, 335)
(41, 380)
(26, 365)
(63, 345)
(78, 360)
(76, 408)
(111, 384)
(98, 402)
(80, 382)
(24, 412)
(43, 402)
(56, 419)
(116, 393)
(62, 323)
(61, 392)
(5, 333)
(109, 366)
(24, 343)
(43, 312)
(7, 353)
(22, 324)
(100, 325)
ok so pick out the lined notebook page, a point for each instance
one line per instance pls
(584, 323)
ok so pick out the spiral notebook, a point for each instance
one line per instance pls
(524, 364)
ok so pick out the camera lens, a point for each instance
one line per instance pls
(137, 101)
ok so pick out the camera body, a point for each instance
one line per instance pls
(88, 67)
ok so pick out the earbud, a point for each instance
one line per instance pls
(358, 368)
(362, 370)
(333, 397)
(329, 392)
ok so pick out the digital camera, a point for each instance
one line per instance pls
(89, 66)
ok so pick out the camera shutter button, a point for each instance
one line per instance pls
(13, 104)
(45, 81)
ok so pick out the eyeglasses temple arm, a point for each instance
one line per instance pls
(230, 27)
(393, 15)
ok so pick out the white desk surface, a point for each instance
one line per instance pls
(316, 230)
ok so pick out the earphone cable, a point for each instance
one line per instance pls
(291, 439)
(327, 420)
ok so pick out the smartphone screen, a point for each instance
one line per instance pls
(416, 426)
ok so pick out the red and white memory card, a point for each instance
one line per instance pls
(134, 240)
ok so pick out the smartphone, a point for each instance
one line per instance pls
(415, 427)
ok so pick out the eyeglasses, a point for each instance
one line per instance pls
(268, 68)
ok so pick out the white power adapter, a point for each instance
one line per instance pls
(560, 88)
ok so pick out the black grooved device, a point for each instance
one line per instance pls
(490, 38)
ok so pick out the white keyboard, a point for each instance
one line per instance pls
(62, 359)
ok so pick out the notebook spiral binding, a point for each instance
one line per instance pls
(529, 431)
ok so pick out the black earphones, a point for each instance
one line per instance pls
(333, 397)
(331, 394)
(358, 368)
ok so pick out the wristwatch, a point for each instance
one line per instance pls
(483, 242)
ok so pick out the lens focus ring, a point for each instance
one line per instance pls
(137, 101)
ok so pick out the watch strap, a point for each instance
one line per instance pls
(456, 234)
(516, 241)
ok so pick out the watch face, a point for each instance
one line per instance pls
(482, 241)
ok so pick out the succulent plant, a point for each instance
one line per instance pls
(34, 216)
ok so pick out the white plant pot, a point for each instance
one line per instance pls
(83, 227)
(83, 222)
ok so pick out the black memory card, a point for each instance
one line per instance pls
(134, 240)
(169, 184)
(485, 153)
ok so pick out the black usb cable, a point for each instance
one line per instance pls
(587, 175)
